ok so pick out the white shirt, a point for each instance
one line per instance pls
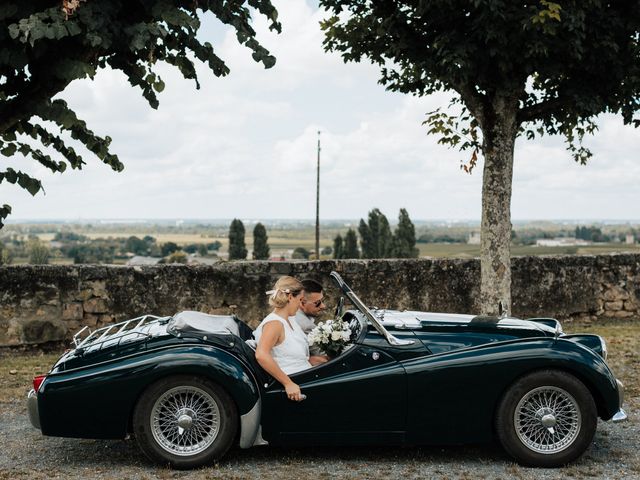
(292, 355)
(306, 323)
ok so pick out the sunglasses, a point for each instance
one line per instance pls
(318, 302)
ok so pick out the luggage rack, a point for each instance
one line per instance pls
(114, 335)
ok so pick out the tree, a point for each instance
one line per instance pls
(177, 257)
(191, 248)
(237, 248)
(68, 237)
(404, 238)
(90, 253)
(366, 242)
(202, 250)
(168, 248)
(338, 247)
(260, 245)
(215, 246)
(300, 253)
(513, 68)
(326, 250)
(351, 245)
(136, 245)
(6, 256)
(48, 44)
(375, 235)
(38, 252)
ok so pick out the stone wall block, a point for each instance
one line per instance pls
(623, 314)
(72, 311)
(98, 288)
(42, 331)
(95, 305)
(84, 294)
(613, 306)
(73, 326)
(615, 293)
(90, 320)
(107, 319)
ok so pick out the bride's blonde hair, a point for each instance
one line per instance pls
(279, 296)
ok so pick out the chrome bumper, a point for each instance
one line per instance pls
(32, 408)
(620, 415)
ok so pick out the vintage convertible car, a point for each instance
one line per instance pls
(188, 387)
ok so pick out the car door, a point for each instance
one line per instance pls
(358, 398)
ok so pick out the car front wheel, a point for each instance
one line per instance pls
(185, 421)
(546, 419)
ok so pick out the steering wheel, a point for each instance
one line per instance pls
(339, 307)
(354, 325)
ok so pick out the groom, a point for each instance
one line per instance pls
(311, 305)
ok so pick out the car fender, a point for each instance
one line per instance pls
(104, 395)
(235, 376)
(458, 391)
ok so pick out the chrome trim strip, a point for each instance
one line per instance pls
(32, 408)
(620, 393)
(250, 429)
(620, 416)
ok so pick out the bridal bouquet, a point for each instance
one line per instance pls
(330, 336)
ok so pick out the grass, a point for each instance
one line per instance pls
(623, 343)
(17, 370)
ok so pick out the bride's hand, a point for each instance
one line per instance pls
(293, 392)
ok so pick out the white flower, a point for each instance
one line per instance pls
(332, 334)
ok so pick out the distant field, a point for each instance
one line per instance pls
(282, 241)
(463, 250)
(279, 241)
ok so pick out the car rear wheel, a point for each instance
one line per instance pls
(185, 421)
(546, 419)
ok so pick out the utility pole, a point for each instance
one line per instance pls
(318, 203)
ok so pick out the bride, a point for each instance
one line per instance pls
(283, 348)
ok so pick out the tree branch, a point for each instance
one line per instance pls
(475, 102)
(23, 106)
(538, 110)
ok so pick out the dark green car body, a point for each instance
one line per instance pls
(424, 378)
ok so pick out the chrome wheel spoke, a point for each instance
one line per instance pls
(547, 419)
(185, 420)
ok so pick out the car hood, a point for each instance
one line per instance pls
(430, 321)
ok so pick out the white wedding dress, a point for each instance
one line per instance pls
(292, 355)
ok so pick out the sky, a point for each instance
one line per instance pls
(245, 146)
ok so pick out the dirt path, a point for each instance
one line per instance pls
(25, 454)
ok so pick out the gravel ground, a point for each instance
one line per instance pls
(26, 454)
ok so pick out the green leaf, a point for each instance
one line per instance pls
(9, 150)
(158, 86)
(9, 136)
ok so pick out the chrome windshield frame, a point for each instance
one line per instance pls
(349, 293)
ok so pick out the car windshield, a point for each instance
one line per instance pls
(355, 300)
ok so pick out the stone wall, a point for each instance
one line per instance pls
(49, 303)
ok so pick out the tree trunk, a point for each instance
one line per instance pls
(499, 131)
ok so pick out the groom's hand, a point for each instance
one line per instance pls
(318, 359)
